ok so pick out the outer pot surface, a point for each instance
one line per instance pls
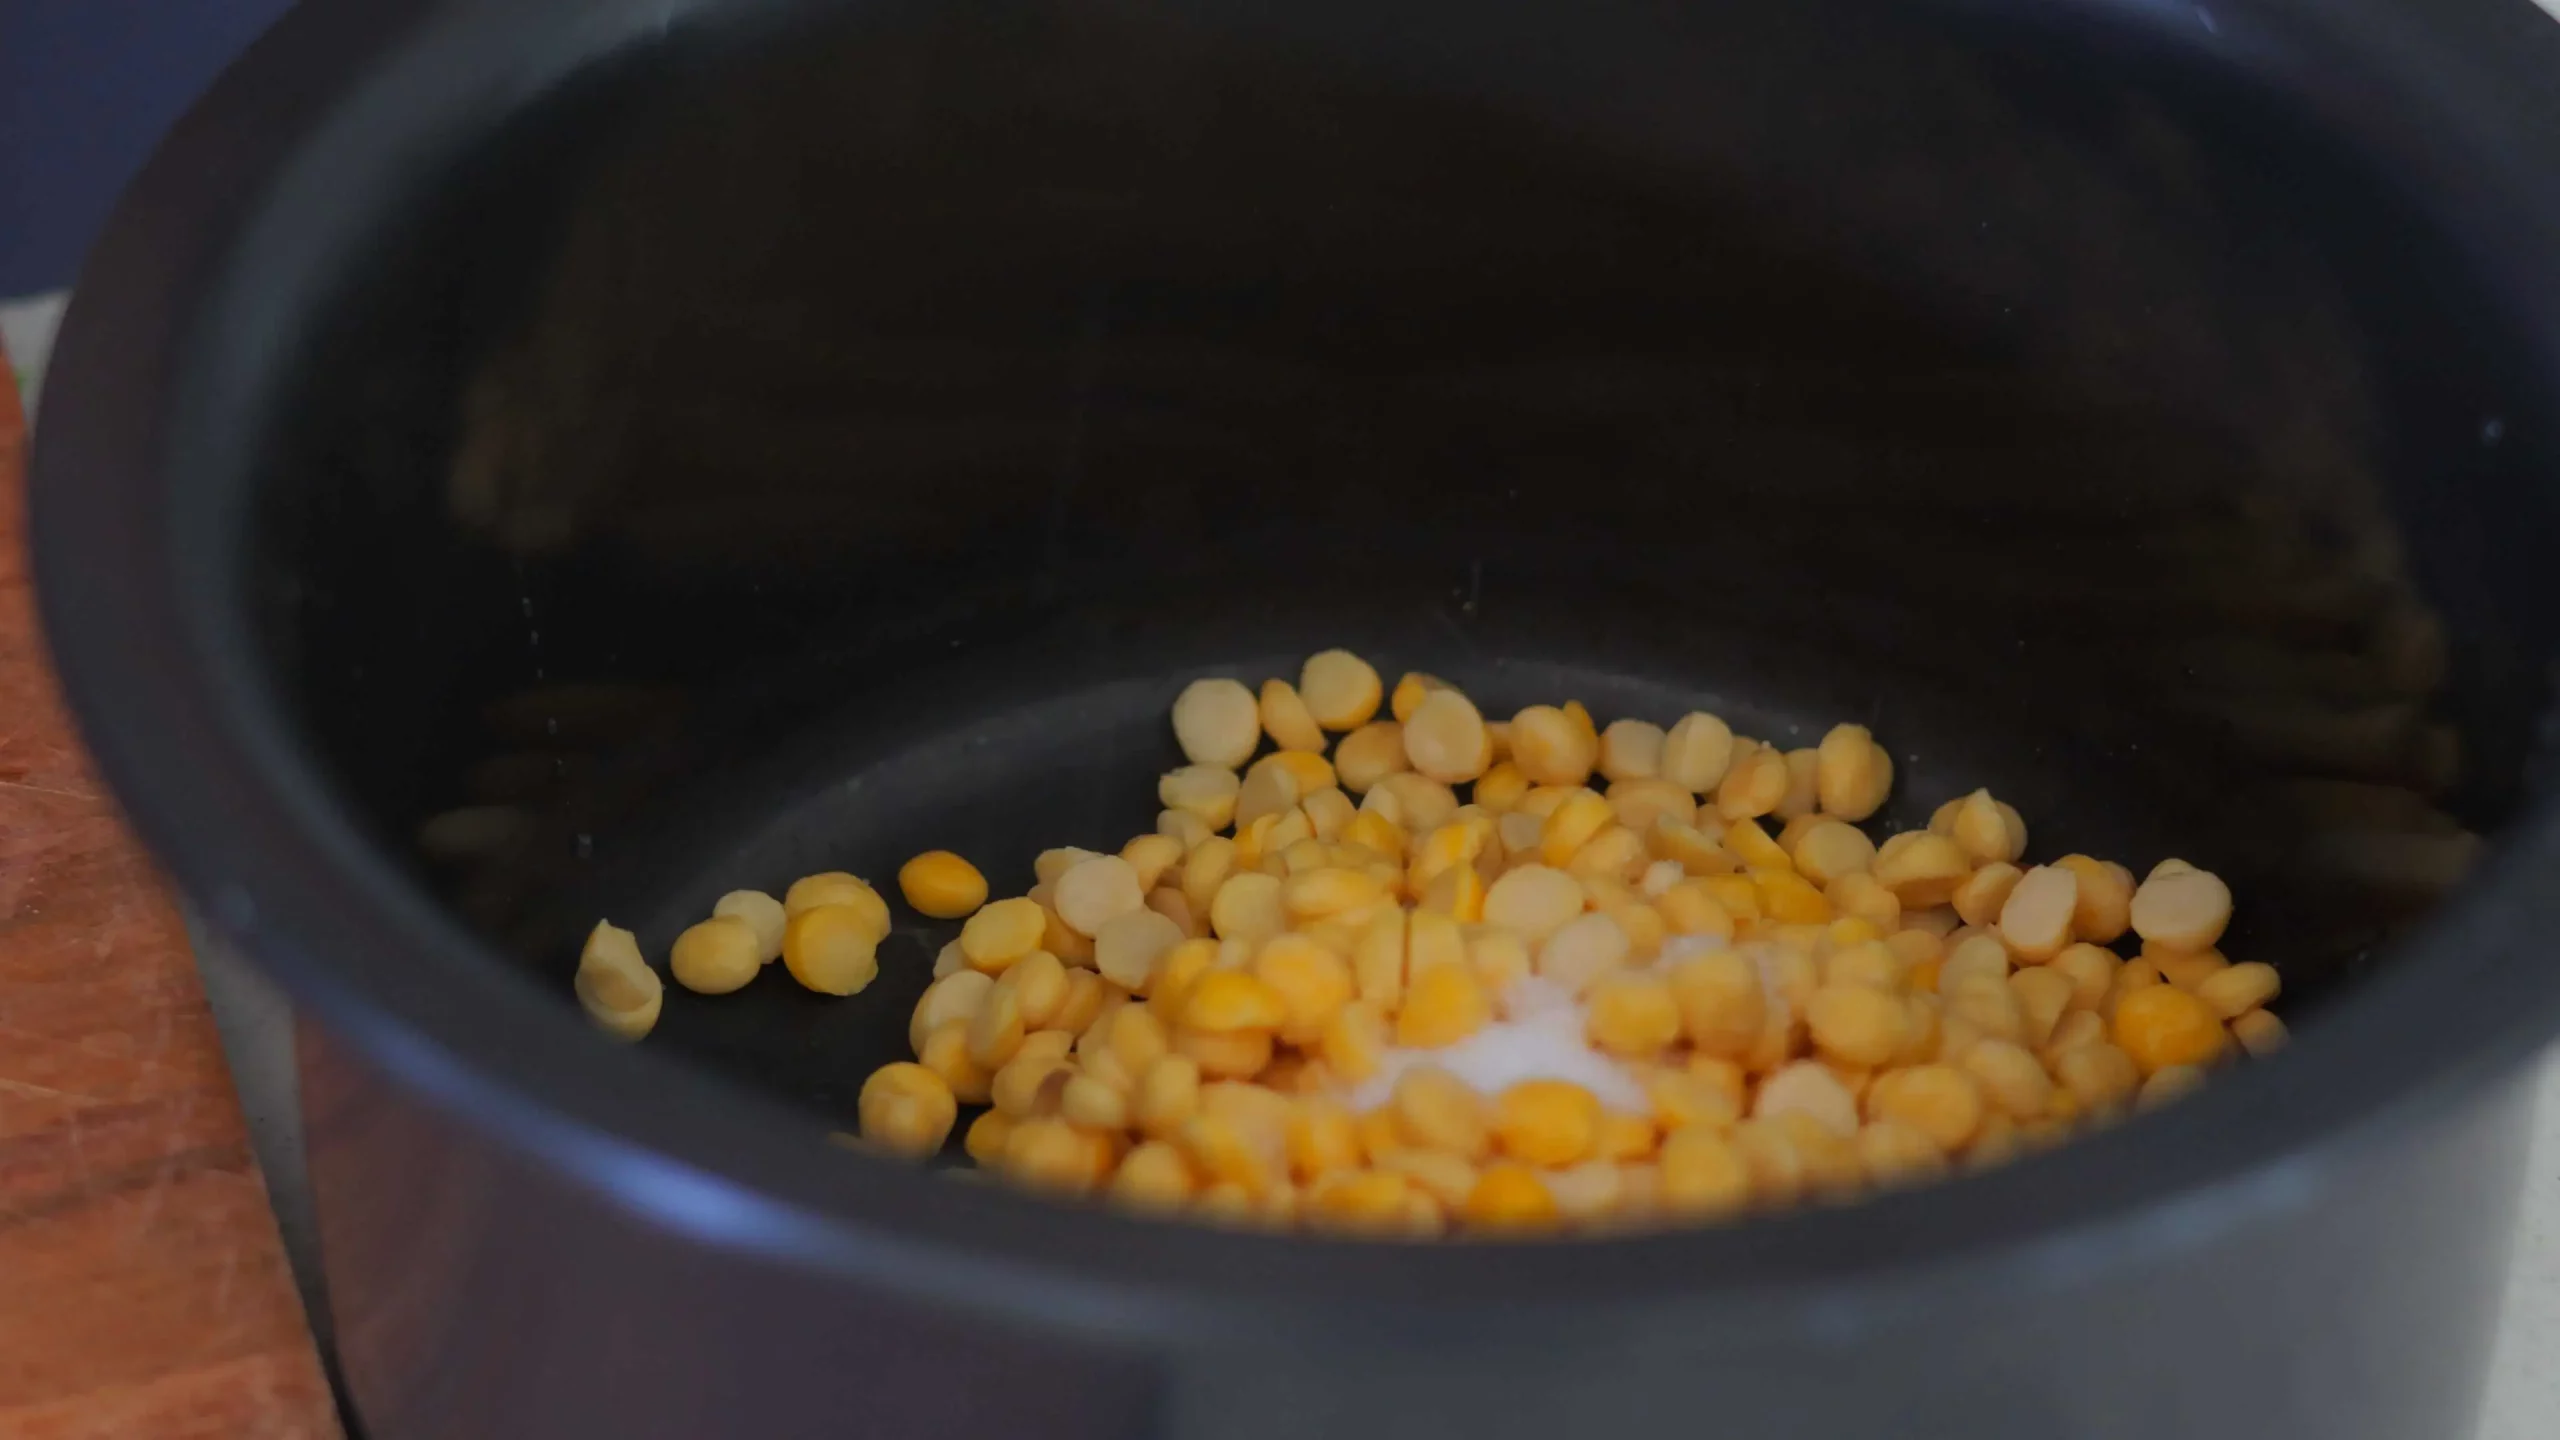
(838, 379)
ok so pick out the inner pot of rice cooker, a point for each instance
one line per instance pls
(743, 438)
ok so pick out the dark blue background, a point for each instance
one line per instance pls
(86, 88)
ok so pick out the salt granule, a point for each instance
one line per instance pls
(1540, 1038)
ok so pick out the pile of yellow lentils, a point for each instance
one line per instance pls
(1237, 1016)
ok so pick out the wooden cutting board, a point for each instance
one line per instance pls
(143, 1288)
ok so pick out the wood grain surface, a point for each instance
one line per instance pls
(143, 1289)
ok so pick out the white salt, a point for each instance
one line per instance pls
(1539, 1038)
(1681, 947)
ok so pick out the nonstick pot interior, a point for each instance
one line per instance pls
(812, 436)
(847, 446)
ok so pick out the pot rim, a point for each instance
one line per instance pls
(153, 387)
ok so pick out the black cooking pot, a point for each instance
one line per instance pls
(510, 464)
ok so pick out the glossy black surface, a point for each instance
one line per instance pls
(774, 410)
(750, 436)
